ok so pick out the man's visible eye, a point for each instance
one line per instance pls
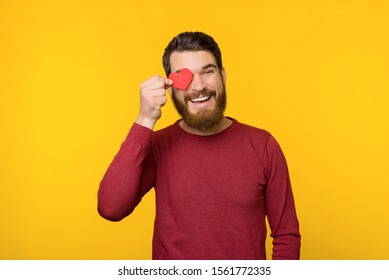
(208, 71)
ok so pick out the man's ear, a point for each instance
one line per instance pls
(224, 75)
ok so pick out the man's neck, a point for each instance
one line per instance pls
(224, 123)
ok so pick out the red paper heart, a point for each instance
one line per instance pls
(181, 79)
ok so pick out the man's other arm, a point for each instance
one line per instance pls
(280, 205)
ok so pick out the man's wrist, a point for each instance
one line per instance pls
(146, 122)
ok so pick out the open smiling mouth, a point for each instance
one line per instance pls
(200, 99)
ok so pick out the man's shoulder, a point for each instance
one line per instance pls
(253, 131)
(164, 131)
(164, 135)
(261, 140)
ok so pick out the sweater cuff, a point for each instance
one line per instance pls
(140, 134)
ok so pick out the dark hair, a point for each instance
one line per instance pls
(191, 41)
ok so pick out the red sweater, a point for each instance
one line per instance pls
(213, 193)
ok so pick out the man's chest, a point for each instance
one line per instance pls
(228, 176)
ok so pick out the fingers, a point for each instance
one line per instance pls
(156, 82)
(153, 90)
(159, 102)
(153, 97)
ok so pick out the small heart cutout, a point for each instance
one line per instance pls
(181, 79)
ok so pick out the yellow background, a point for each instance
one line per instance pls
(314, 73)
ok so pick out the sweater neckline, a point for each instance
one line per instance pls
(179, 130)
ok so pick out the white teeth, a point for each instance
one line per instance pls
(200, 99)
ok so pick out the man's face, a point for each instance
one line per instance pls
(202, 104)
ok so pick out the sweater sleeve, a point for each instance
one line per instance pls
(129, 177)
(280, 205)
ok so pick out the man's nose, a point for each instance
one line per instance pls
(197, 83)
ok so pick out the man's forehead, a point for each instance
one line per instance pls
(194, 60)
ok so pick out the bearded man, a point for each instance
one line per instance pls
(216, 180)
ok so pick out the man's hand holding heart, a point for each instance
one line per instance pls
(153, 95)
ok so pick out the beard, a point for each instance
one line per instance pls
(204, 119)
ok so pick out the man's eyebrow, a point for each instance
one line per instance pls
(209, 65)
